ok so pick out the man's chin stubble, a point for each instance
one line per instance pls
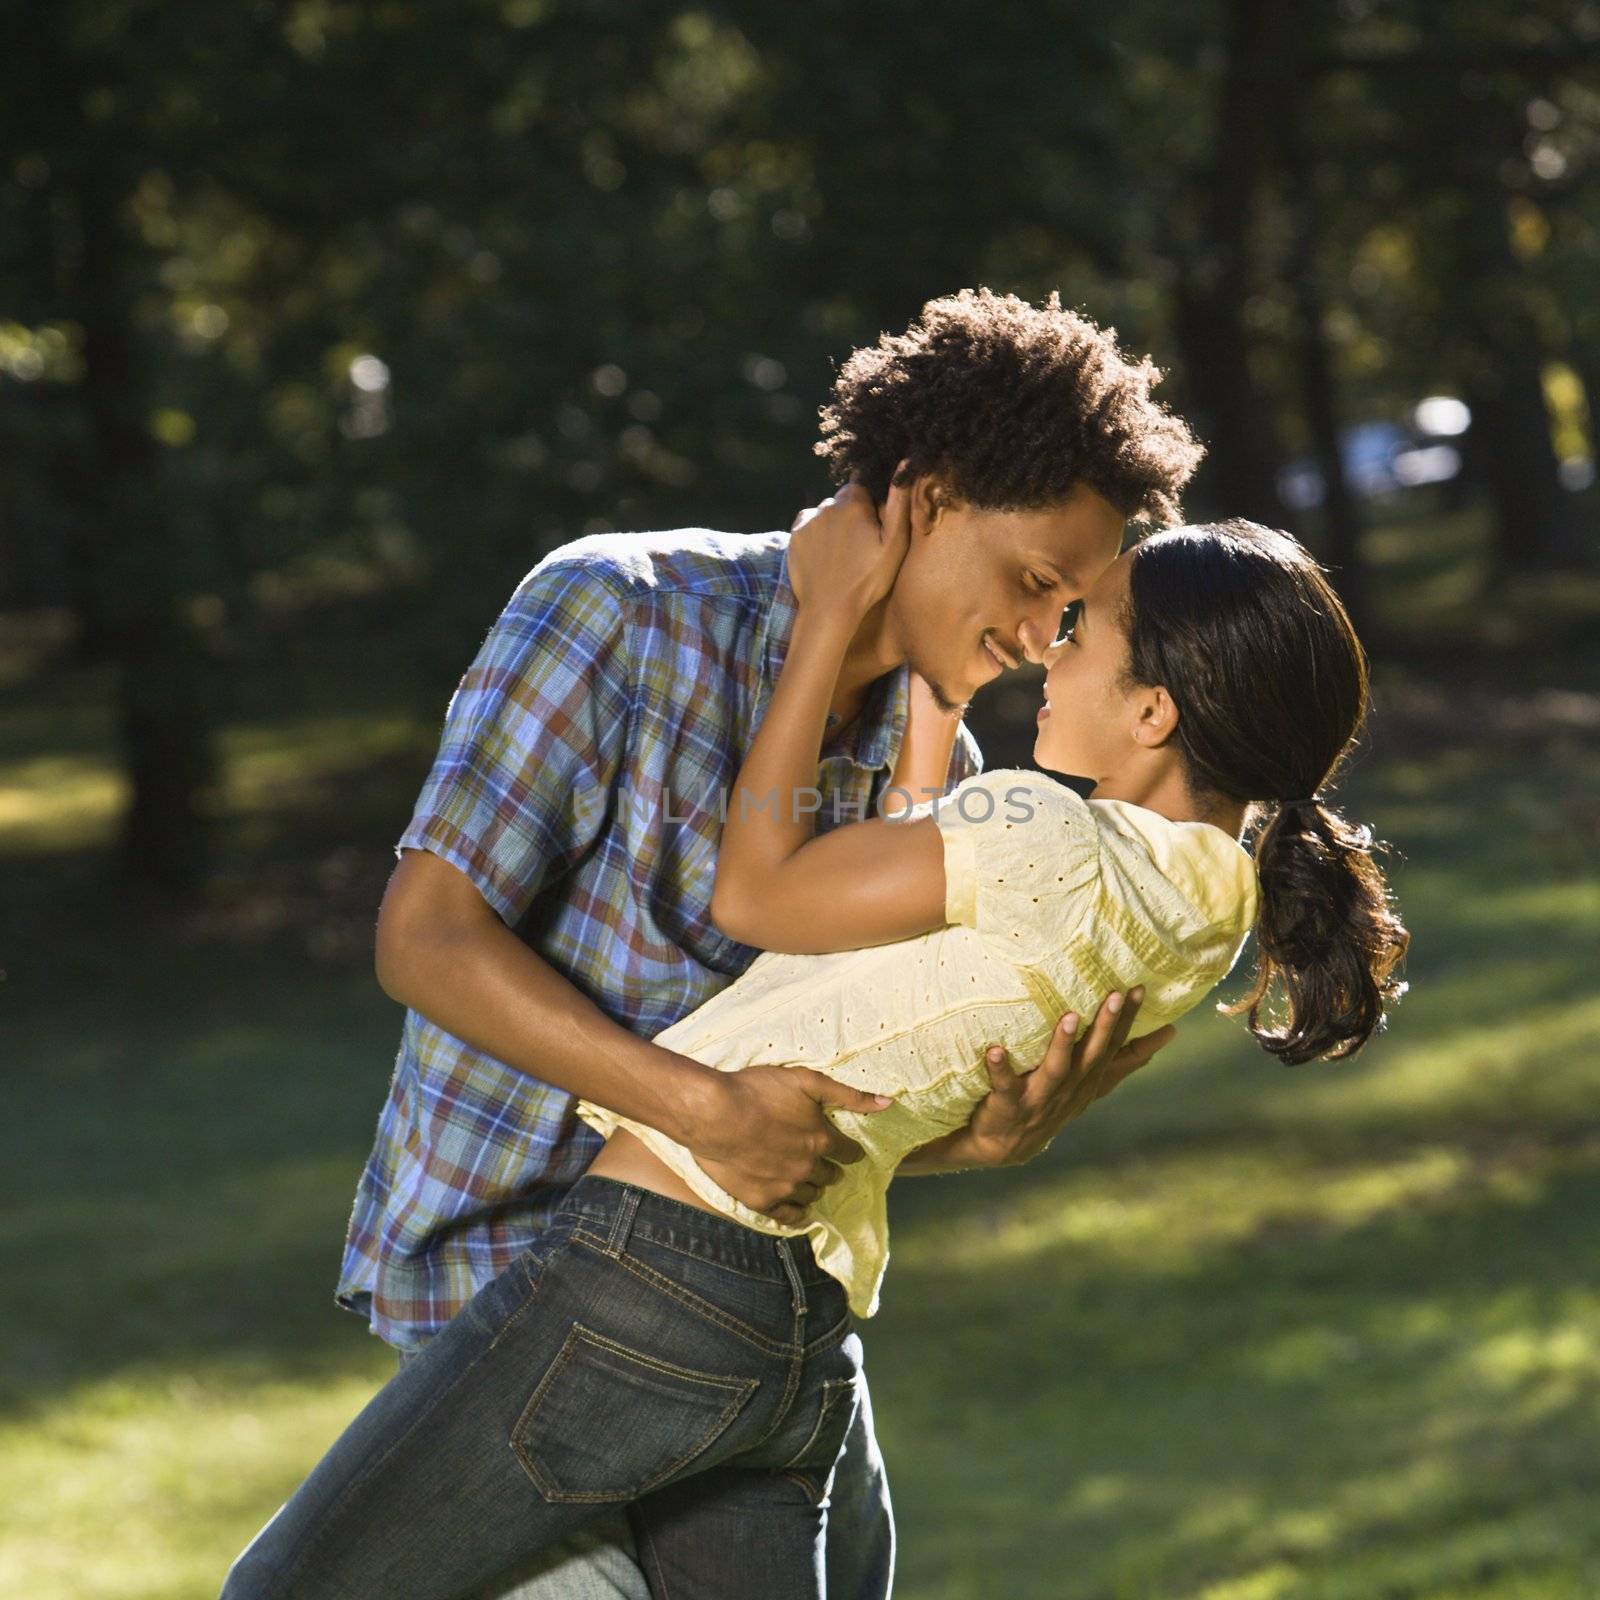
(943, 701)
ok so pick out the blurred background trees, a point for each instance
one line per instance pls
(341, 298)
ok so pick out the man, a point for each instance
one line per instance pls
(551, 907)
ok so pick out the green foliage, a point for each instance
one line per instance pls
(342, 294)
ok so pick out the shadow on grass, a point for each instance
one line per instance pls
(182, 1150)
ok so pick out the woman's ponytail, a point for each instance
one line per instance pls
(1326, 934)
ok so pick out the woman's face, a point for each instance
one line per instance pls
(1086, 728)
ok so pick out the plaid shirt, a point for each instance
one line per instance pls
(583, 762)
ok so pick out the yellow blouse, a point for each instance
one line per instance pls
(1052, 901)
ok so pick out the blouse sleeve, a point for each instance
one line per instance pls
(1021, 854)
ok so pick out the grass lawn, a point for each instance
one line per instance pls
(1245, 1333)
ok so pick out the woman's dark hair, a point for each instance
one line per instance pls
(1012, 406)
(1238, 623)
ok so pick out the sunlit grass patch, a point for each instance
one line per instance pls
(59, 802)
(68, 797)
(149, 1487)
(1372, 1378)
(1322, 1333)
(265, 760)
(1173, 1212)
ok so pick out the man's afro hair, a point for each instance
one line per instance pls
(1011, 405)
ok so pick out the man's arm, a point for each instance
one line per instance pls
(536, 741)
(442, 951)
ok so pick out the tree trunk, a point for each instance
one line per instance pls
(135, 565)
(1534, 519)
(1342, 521)
(1240, 477)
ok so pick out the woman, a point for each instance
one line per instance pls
(665, 1347)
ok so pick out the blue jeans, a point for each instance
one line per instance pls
(645, 1361)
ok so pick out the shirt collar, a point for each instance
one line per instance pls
(874, 738)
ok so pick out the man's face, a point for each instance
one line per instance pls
(981, 590)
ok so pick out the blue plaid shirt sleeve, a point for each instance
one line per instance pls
(533, 738)
(966, 758)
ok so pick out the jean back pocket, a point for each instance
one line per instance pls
(607, 1423)
(839, 1400)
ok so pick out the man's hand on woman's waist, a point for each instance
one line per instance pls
(764, 1135)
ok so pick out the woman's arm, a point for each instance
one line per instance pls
(779, 886)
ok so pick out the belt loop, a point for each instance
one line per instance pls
(622, 1223)
(785, 1245)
